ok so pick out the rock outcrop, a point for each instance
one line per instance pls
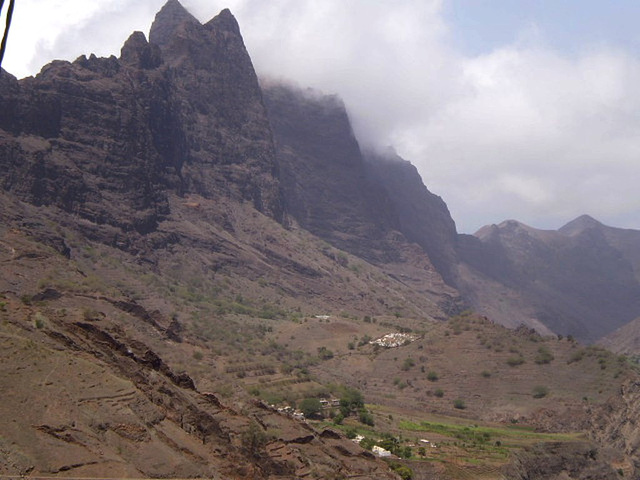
(108, 138)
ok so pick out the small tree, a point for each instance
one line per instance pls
(365, 417)
(350, 401)
(310, 407)
(324, 353)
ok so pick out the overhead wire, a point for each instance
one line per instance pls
(5, 36)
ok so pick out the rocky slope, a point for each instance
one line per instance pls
(88, 383)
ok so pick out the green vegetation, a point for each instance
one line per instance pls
(459, 404)
(511, 435)
(576, 356)
(311, 407)
(540, 391)
(408, 364)
(39, 320)
(351, 400)
(543, 356)
(405, 472)
(324, 353)
(432, 376)
(365, 417)
(515, 360)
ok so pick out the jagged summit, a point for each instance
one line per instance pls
(138, 52)
(225, 22)
(167, 20)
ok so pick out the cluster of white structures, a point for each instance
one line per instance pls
(290, 411)
(392, 340)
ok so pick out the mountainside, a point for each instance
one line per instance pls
(580, 280)
(422, 216)
(186, 251)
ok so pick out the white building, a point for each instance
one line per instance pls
(381, 452)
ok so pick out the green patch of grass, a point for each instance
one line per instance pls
(513, 434)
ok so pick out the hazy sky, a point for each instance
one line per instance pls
(526, 110)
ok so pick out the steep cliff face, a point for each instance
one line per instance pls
(108, 138)
(230, 149)
(323, 174)
(422, 216)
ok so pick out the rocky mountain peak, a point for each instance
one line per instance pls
(579, 225)
(224, 22)
(137, 52)
(167, 21)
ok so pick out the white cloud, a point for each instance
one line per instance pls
(522, 131)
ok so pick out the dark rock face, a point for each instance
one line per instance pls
(85, 139)
(107, 139)
(422, 216)
(230, 149)
(323, 174)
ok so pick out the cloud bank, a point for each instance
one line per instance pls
(522, 130)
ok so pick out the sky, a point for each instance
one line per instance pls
(510, 109)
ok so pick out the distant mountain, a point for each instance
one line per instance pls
(581, 280)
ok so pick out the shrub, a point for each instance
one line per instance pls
(439, 393)
(39, 320)
(254, 438)
(485, 373)
(459, 404)
(366, 418)
(540, 391)
(324, 353)
(576, 356)
(351, 400)
(408, 363)
(405, 472)
(515, 361)
(544, 356)
(367, 443)
(432, 376)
